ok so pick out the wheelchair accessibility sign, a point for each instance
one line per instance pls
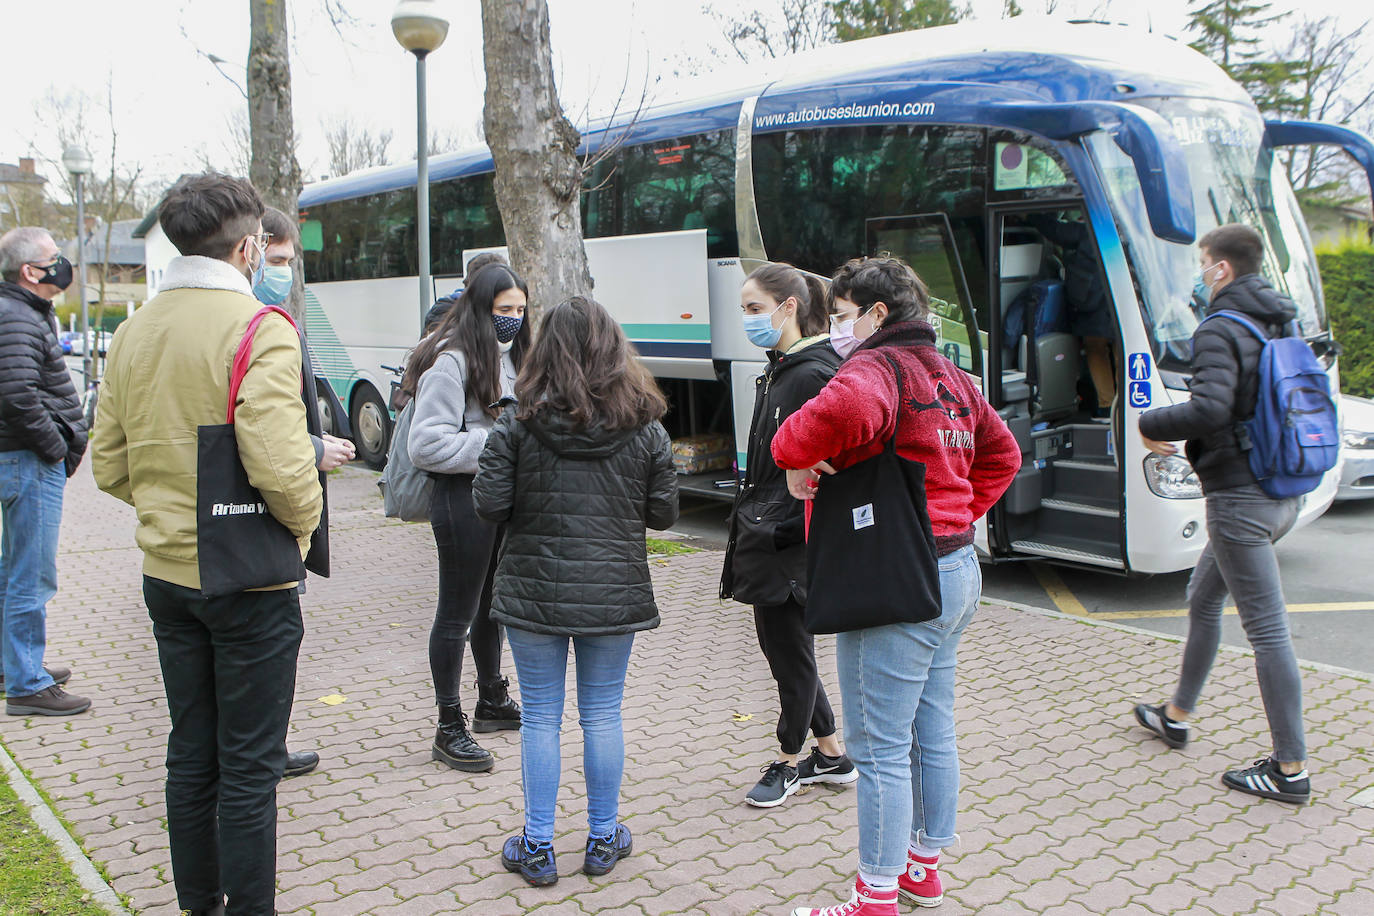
(1138, 394)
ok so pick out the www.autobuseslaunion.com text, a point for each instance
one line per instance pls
(238, 508)
(847, 112)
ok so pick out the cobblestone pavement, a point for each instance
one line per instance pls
(1068, 807)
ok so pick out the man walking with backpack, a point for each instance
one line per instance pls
(1243, 520)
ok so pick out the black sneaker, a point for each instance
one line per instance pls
(533, 863)
(837, 771)
(1266, 780)
(1174, 734)
(779, 781)
(604, 851)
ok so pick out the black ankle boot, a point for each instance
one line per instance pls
(216, 910)
(455, 747)
(495, 709)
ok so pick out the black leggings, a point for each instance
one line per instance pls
(791, 654)
(467, 562)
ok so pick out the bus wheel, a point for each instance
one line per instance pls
(371, 426)
(326, 411)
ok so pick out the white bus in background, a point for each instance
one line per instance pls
(954, 148)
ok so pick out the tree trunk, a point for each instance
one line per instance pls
(538, 174)
(273, 169)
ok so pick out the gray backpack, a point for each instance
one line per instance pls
(407, 491)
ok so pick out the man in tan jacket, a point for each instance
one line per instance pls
(228, 663)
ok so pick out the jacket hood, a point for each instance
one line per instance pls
(901, 334)
(1253, 295)
(557, 432)
(9, 290)
(817, 350)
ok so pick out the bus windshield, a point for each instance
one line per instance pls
(1235, 178)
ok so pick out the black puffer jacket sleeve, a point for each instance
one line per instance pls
(661, 509)
(36, 392)
(1212, 406)
(493, 490)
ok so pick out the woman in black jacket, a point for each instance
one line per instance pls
(575, 475)
(765, 560)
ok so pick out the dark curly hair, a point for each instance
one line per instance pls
(891, 281)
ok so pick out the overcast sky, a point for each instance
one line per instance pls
(172, 107)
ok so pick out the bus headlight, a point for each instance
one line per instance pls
(1172, 477)
(1354, 438)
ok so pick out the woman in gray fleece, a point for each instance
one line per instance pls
(458, 375)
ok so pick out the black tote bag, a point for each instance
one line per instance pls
(239, 543)
(870, 554)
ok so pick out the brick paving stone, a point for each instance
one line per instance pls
(1113, 822)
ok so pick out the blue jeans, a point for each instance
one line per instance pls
(541, 664)
(1243, 524)
(897, 683)
(31, 497)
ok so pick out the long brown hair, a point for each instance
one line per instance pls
(782, 280)
(467, 326)
(583, 365)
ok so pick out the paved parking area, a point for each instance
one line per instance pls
(1068, 807)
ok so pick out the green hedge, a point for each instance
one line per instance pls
(1348, 282)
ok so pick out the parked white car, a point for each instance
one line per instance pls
(1357, 448)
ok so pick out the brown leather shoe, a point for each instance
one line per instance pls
(59, 676)
(53, 701)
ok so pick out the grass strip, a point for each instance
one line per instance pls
(34, 878)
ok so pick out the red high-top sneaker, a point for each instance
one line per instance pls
(864, 902)
(921, 882)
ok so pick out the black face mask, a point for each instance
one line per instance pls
(58, 273)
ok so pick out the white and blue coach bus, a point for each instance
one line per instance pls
(967, 150)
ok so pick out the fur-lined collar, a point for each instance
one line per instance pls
(199, 272)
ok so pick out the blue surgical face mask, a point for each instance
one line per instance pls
(1201, 291)
(760, 331)
(274, 285)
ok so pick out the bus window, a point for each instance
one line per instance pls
(667, 186)
(1018, 166)
(364, 238)
(816, 190)
(464, 215)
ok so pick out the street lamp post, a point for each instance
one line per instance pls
(78, 162)
(420, 28)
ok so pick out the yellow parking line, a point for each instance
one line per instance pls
(1059, 592)
(1068, 603)
(1229, 611)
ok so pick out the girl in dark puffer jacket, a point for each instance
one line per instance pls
(575, 474)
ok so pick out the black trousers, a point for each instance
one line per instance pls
(468, 552)
(229, 670)
(791, 654)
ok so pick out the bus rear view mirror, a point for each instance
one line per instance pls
(1143, 135)
(1305, 133)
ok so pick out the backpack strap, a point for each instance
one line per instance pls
(1239, 318)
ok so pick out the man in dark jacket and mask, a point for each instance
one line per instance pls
(1243, 522)
(42, 439)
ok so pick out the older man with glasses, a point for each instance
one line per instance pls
(42, 439)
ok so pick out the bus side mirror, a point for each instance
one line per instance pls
(1314, 133)
(1143, 135)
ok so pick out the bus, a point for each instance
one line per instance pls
(987, 155)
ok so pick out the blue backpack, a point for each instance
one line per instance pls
(1294, 437)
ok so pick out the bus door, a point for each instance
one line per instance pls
(926, 242)
(1051, 314)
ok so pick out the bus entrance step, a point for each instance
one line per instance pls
(1086, 553)
(1082, 506)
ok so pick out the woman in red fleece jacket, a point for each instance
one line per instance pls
(897, 681)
